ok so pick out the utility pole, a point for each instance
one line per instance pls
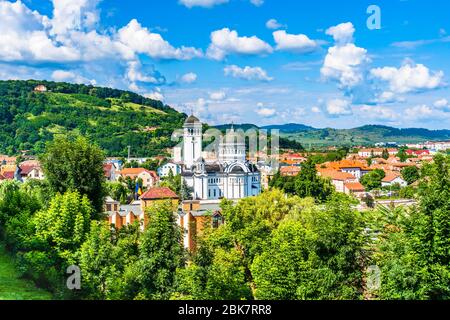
(129, 153)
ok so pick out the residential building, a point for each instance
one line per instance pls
(164, 170)
(194, 216)
(290, 171)
(355, 167)
(123, 215)
(417, 153)
(338, 178)
(149, 178)
(6, 160)
(376, 152)
(110, 171)
(40, 88)
(393, 178)
(354, 188)
(153, 196)
(31, 169)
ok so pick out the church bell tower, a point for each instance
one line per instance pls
(192, 141)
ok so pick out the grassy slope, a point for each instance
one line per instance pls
(14, 288)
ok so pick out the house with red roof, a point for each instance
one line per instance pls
(417, 153)
(31, 170)
(393, 178)
(354, 188)
(290, 171)
(149, 178)
(157, 195)
(110, 171)
(8, 175)
(338, 178)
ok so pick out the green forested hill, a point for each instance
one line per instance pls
(112, 118)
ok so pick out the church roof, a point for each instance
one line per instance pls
(213, 168)
(159, 193)
(191, 120)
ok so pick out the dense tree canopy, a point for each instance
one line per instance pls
(73, 163)
(372, 180)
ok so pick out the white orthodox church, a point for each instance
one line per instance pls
(231, 176)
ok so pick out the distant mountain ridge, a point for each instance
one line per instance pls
(364, 135)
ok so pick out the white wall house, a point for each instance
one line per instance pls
(393, 179)
(164, 170)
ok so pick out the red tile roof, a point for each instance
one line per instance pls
(336, 175)
(159, 193)
(26, 169)
(391, 176)
(137, 171)
(8, 175)
(290, 170)
(354, 186)
(107, 167)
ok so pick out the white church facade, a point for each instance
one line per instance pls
(231, 176)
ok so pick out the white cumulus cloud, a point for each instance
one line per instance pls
(298, 43)
(338, 107)
(273, 24)
(409, 77)
(342, 33)
(217, 95)
(70, 76)
(141, 40)
(189, 77)
(226, 41)
(202, 3)
(344, 62)
(442, 104)
(247, 73)
(419, 112)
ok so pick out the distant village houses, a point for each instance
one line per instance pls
(149, 178)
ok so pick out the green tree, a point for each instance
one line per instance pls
(117, 191)
(402, 155)
(97, 262)
(234, 246)
(314, 255)
(372, 180)
(414, 253)
(410, 174)
(161, 254)
(385, 154)
(73, 163)
(65, 224)
(309, 184)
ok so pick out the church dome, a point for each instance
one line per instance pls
(191, 120)
(237, 169)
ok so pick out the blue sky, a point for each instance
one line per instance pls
(247, 61)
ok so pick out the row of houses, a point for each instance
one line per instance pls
(29, 169)
(192, 216)
(346, 174)
(434, 146)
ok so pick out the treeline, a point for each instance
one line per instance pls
(114, 119)
(308, 245)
